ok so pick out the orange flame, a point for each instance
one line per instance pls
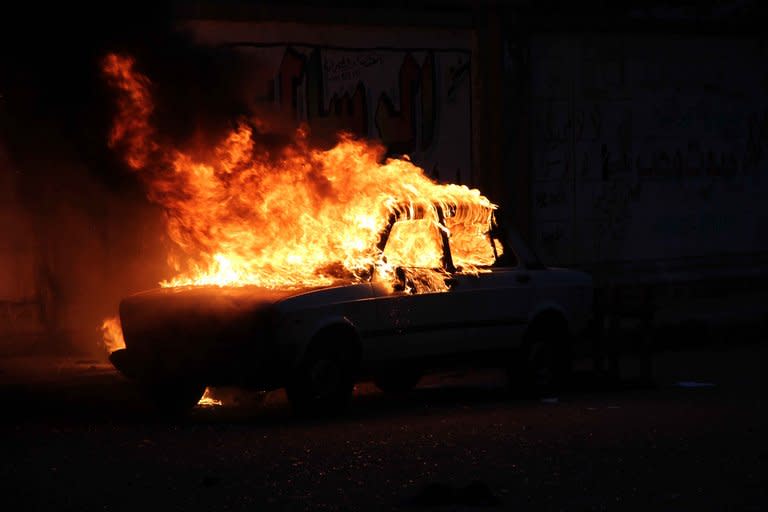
(209, 399)
(297, 216)
(112, 334)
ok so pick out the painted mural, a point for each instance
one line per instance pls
(417, 102)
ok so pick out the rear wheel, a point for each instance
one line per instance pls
(544, 362)
(324, 381)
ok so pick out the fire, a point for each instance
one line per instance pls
(246, 214)
(209, 399)
(112, 334)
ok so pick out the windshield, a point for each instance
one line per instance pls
(470, 244)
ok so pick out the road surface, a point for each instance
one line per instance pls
(76, 436)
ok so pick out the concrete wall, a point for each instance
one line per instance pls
(649, 169)
(648, 147)
(20, 304)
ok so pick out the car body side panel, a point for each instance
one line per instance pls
(479, 313)
(493, 307)
(417, 326)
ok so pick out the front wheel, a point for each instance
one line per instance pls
(323, 383)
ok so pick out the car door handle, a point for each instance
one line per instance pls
(523, 278)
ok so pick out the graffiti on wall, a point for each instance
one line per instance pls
(416, 102)
(629, 170)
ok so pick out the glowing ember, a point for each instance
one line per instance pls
(243, 213)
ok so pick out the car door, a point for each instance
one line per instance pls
(495, 307)
(492, 289)
(415, 321)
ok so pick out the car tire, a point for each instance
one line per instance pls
(323, 382)
(172, 397)
(397, 382)
(543, 364)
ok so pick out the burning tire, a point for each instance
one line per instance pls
(397, 382)
(323, 382)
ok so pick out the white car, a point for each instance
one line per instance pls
(317, 342)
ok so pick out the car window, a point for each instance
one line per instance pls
(414, 243)
(470, 243)
(473, 246)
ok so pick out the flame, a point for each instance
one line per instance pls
(135, 107)
(243, 213)
(112, 334)
(209, 399)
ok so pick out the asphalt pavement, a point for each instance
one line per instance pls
(685, 430)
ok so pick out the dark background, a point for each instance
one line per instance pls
(627, 140)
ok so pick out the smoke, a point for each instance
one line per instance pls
(78, 230)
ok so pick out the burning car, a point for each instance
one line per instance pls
(318, 341)
(310, 268)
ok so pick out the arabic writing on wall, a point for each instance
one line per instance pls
(641, 153)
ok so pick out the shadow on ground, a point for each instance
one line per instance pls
(97, 394)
